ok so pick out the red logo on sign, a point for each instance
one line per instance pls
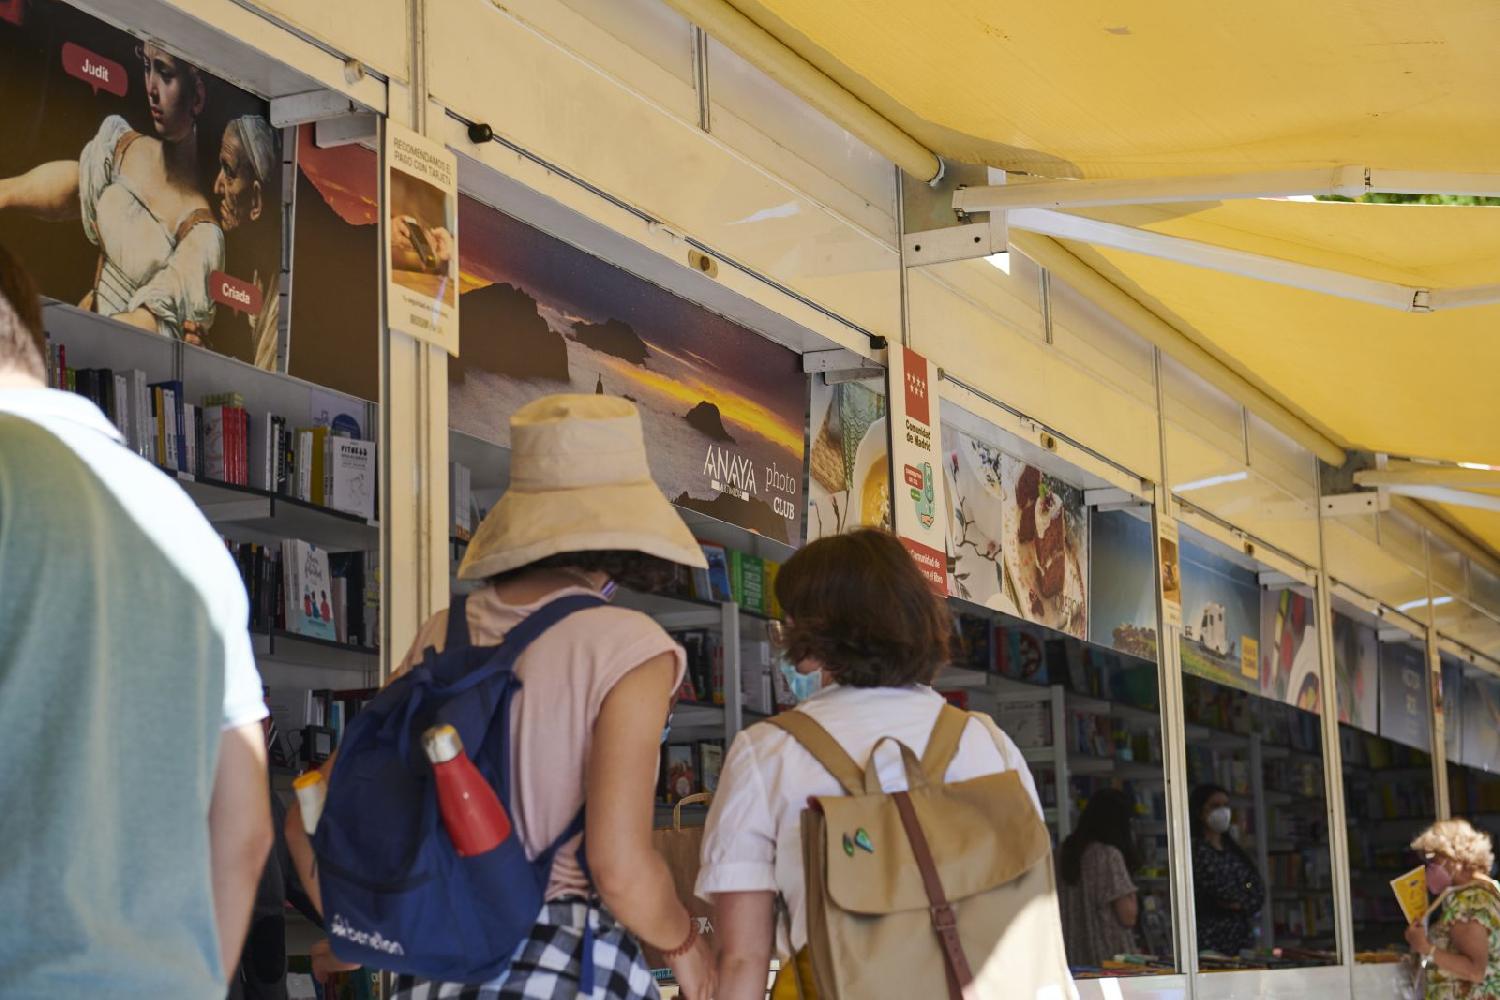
(93, 69)
(913, 477)
(10, 10)
(916, 387)
(234, 293)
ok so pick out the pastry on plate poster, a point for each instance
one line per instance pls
(1017, 536)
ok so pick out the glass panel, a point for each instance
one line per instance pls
(1388, 783)
(1088, 720)
(1261, 865)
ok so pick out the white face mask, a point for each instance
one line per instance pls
(1218, 819)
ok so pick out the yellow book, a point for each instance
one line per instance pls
(1411, 893)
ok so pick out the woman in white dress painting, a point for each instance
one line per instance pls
(141, 205)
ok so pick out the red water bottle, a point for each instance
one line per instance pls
(472, 813)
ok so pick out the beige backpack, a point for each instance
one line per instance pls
(943, 883)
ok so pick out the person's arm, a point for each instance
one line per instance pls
(239, 834)
(1469, 955)
(48, 190)
(1127, 909)
(744, 927)
(631, 877)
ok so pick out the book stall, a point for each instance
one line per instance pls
(335, 398)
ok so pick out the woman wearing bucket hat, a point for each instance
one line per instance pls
(581, 517)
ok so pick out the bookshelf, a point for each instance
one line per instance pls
(257, 518)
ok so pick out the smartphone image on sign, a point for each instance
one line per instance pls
(421, 244)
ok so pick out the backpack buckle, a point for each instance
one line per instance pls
(943, 917)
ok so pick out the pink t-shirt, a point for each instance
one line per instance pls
(565, 676)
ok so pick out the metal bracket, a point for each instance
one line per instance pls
(1350, 504)
(934, 232)
(1111, 498)
(359, 127)
(1276, 581)
(840, 365)
(309, 106)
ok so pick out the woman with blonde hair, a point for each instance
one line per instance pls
(1459, 943)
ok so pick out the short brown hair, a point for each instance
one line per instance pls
(22, 342)
(859, 605)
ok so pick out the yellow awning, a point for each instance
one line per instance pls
(1104, 89)
(1164, 91)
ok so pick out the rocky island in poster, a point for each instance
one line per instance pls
(137, 185)
(724, 409)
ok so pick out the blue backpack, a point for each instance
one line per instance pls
(396, 895)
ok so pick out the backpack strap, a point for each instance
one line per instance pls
(824, 748)
(457, 636)
(944, 920)
(942, 745)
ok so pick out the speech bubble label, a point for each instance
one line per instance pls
(227, 290)
(95, 70)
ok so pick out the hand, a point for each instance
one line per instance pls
(325, 963)
(695, 972)
(1416, 936)
(442, 244)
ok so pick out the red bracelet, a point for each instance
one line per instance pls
(687, 944)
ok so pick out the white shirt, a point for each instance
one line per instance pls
(753, 839)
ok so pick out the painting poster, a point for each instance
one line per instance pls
(1122, 600)
(139, 186)
(723, 408)
(1356, 664)
(1221, 613)
(918, 494)
(1018, 537)
(1289, 667)
(849, 485)
(1404, 713)
(421, 190)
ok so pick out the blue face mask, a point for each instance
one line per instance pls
(803, 686)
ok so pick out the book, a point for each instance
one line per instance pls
(747, 581)
(303, 451)
(768, 584)
(682, 776)
(713, 583)
(119, 404)
(710, 764)
(190, 438)
(306, 582)
(351, 482)
(214, 465)
(142, 438)
(174, 456)
(340, 587)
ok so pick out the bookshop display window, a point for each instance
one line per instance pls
(189, 347)
(724, 412)
(1471, 707)
(1086, 716)
(1385, 741)
(1262, 871)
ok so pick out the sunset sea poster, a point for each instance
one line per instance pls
(724, 409)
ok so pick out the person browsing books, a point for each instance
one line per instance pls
(861, 643)
(1100, 902)
(1459, 943)
(134, 776)
(1228, 891)
(581, 517)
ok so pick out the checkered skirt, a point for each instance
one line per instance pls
(548, 964)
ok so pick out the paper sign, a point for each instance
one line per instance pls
(918, 493)
(1171, 572)
(1249, 657)
(1411, 894)
(421, 259)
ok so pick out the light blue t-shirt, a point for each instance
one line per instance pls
(124, 652)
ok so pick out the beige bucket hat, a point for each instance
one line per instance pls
(579, 481)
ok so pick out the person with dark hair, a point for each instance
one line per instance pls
(862, 640)
(129, 642)
(581, 517)
(1228, 890)
(141, 204)
(1100, 904)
